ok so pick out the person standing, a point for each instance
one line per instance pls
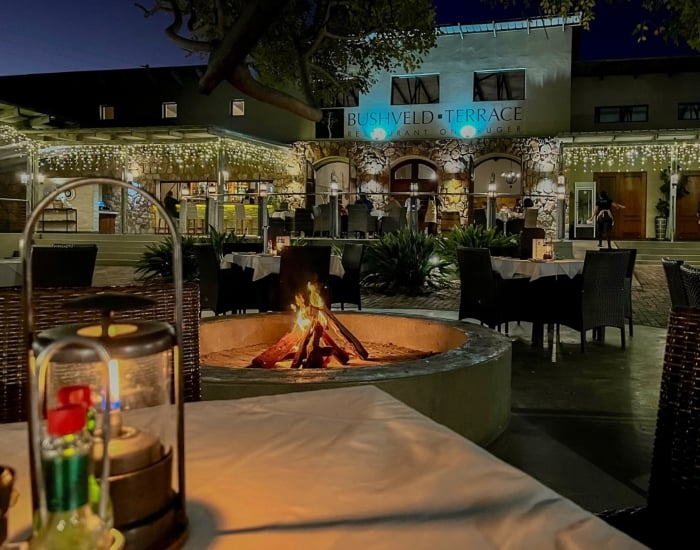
(603, 216)
(364, 200)
(170, 203)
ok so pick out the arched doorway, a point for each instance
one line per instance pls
(416, 170)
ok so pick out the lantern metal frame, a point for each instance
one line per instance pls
(25, 246)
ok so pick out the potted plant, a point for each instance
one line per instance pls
(663, 205)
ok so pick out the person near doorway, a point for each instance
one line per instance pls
(364, 200)
(170, 203)
(431, 215)
(603, 216)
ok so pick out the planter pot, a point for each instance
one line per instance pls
(660, 227)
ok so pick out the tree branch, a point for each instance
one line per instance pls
(172, 32)
(242, 80)
(326, 75)
(255, 19)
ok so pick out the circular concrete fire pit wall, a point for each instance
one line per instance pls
(464, 386)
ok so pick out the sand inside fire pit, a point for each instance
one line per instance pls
(379, 354)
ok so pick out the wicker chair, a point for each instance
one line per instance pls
(529, 233)
(300, 265)
(600, 299)
(674, 281)
(347, 289)
(303, 221)
(49, 313)
(63, 265)
(216, 285)
(360, 220)
(530, 219)
(322, 219)
(480, 217)
(670, 517)
(484, 295)
(691, 283)
(629, 275)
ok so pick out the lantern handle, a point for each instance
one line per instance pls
(42, 369)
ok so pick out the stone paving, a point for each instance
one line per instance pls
(650, 300)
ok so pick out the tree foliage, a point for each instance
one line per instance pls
(300, 55)
(675, 20)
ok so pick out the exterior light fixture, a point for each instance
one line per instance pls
(211, 188)
(139, 432)
(491, 188)
(511, 177)
(24, 178)
(40, 178)
(467, 131)
(378, 134)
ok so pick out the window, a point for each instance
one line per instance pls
(238, 107)
(499, 85)
(415, 90)
(169, 109)
(622, 113)
(689, 111)
(106, 112)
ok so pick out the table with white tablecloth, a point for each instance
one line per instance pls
(509, 268)
(10, 272)
(349, 468)
(266, 264)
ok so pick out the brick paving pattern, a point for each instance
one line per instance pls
(650, 300)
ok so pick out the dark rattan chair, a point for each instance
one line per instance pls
(48, 313)
(303, 221)
(216, 284)
(63, 266)
(322, 220)
(599, 300)
(299, 266)
(484, 295)
(346, 290)
(629, 275)
(674, 281)
(668, 521)
(480, 217)
(360, 220)
(691, 283)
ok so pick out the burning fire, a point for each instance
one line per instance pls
(316, 338)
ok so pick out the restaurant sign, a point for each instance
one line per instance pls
(420, 122)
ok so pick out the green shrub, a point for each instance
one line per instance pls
(473, 236)
(405, 262)
(156, 262)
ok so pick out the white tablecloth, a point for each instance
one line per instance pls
(264, 265)
(350, 468)
(511, 267)
(10, 272)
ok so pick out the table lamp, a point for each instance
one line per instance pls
(145, 404)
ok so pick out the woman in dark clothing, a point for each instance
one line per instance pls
(603, 217)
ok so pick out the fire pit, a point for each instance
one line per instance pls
(456, 373)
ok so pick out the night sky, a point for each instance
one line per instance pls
(54, 36)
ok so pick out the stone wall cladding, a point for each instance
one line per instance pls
(373, 161)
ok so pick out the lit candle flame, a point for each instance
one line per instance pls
(114, 394)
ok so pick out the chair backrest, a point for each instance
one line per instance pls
(480, 216)
(352, 257)
(631, 258)
(208, 266)
(303, 221)
(322, 217)
(63, 266)
(390, 224)
(529, 233)
(228, 248)
(674, 281)
(530, 219)
(691, 283)
(300, 265)
(515, 227)
(359, 218)
(476, 277)
(603, 288)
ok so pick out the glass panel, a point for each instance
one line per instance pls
(403, 173)
(426, 172)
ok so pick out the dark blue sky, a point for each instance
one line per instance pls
(69, 35)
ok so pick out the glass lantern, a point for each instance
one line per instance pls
(145, 443)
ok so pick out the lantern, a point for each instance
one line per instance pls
(145, 403)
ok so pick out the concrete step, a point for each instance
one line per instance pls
(651, 252)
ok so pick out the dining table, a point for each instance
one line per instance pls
(510, 268)
(267, 264)
(10, 272)
(348, 468)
